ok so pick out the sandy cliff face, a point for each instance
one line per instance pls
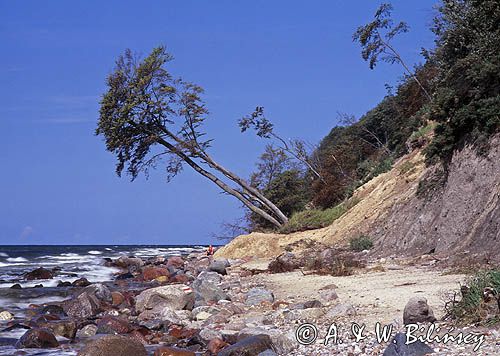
(461, 219)
(458, 219)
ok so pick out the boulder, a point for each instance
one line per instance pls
(286, 262)
(207, 288)
(38, 338)
(255, 296)
(249, 346)
(398, 347)
(175, 297)
(418, 311)
(39, 273)
(88, 330)
(132, 263)
(328, 295)
(117, 298)
(100, 291)
(215, 345)
(64, 328)
(219, 266)
(172, 351)
(280, 342)
(81, 282)
(150, 273)
(64, 284)
(16, 286)
(112, 325)
(114, 345)
(5, 315)
(176, 262)
(83, 306)
(340, 310)
(52, 309)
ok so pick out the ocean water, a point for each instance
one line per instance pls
(75, 262)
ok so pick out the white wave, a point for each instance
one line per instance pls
(3, 254)
(108, 249)
(93, 252)
(16, 259)
(10, 264)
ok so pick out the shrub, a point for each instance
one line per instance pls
(313, 219)
(361, 243)
(469, 308)
(423, 131)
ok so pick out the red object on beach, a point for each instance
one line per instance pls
(210, 250)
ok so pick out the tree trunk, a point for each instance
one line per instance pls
(223, 185)
(247, 187)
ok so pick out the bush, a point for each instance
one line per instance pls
(361, 243)
(423, 131)
(313, 219)
(470, 308)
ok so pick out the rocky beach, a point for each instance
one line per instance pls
(194, 304)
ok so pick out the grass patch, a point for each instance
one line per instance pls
(361, 243)
(423, 131)
(406, 167)
(472, 307)
(313, 219)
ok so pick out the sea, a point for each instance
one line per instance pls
(75, 261)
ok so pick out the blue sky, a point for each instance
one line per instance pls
(295, 58)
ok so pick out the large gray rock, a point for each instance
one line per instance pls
(175, 297)
(418, 311)
(114, 345)
(281, 343)
(340, 310)
(207, 289)
(249, 346)
(132, 263)
(83, 306)
(100, 291)
(398, 347)
(219, 266)
(255, 296)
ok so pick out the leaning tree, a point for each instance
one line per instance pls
(148, 117)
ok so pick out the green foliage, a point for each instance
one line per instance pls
(361, 243)
(289, 191)
(313, 219)
(468, 309)
(467, 99)
(371, 169)
(423, 131)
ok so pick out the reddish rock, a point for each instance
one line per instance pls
(179, 278)
(173, 351)
(215, 345)
(175, 261)
(117, 298)
(114, 345)
(39, 273)
(181, 333)
(112, 325)
(151, 273)
(38, 338)
(137, 335)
